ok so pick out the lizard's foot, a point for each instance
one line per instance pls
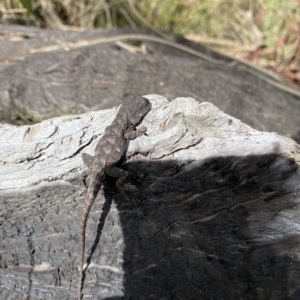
(142, 130)
(83, 178)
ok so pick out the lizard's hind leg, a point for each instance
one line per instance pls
(84, 176)
(88, 160)
(117, 173)
(122, 175)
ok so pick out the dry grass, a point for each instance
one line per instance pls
(66, 14)
(234, 27)
(248, 22)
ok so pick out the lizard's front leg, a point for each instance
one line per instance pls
(131, 134)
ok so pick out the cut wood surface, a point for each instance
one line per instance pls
(48, 73)
(217, 218)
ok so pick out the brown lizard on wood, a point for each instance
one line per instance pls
(109, 150)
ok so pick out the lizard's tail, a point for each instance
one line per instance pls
(93, 189)
(86, 209)
(81, 253)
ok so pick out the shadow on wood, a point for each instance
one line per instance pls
(222, 228)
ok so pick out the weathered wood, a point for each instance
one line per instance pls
(219, 216)
(42, 76)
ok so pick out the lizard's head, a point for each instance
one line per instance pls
(137, 107)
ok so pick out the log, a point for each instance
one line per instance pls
(48, 73)
(217, 218)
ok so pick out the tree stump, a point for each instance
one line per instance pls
(217, 218)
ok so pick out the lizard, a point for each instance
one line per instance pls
(108, 152)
